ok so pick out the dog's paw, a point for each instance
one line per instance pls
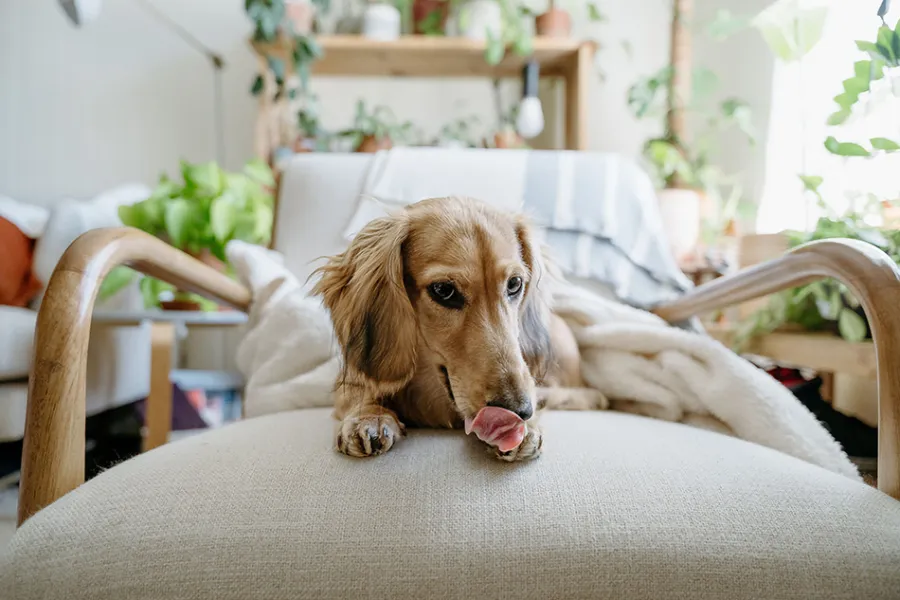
(572, 399)
(529, 449)
(368, 435)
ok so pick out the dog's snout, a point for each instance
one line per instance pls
(517, 403)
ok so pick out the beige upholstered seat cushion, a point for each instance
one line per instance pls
(618, 507)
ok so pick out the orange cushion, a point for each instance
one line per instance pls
(18, 285)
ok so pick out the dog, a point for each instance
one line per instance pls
(441, 310)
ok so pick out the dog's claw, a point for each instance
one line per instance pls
(368, 435)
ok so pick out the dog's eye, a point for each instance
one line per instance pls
(514, 286)
(445, 294)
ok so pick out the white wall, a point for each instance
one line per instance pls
(83, 109)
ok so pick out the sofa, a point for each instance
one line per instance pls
(622, 506)
(119, 363)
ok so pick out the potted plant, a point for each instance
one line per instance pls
(458, 133)
(681, 162)
(476, 19)
(514, 33)
(376, 130)
(429, 17)
(828, 304)
(199, 215)
(555, 23)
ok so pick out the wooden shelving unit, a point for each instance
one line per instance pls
(441, 57)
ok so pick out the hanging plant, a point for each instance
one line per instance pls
(270, 25)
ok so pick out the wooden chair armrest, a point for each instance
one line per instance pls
(875, 281)
(53, 447)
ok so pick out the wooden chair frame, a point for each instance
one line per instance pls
(54, 443)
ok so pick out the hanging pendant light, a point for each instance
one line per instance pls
(530, 120)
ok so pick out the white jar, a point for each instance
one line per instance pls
(478, 17)
(381, 22)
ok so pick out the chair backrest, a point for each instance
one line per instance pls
(317, 197)
(601, 209)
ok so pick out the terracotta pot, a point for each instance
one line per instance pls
(554, 23)
(422, 8)
(508, 139)
(185, 305)
(302, 144)
(301, 14)
(370, 144)
(180, 303)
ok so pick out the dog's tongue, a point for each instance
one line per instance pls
(498, 427)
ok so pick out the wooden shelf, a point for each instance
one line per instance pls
(818, 351)
(427, 56)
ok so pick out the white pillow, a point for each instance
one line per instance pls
(71, 218)
(29, 218)
(16, 340)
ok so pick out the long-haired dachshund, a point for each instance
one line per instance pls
(443, 321)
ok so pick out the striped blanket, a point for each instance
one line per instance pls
(598, 212)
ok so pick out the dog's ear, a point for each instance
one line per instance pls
(534, 334)
(373, 317)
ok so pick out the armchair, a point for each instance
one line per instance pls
(622, 507)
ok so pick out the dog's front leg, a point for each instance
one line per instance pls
(366, 428)
(530, 447)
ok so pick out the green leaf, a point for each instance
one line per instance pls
(844, 148)
(835, 303)
(179, 215)
(646, 92)
(257, 87)
(130, 215)
(886, 45)
(594, 14)
(223, 216)
(704, 82)
(494, 51)
(431, 24)
(880, 143)
(868, 47)
(852, 327)
(738, 112)
(206, 177)
(811, 183)
(789, 30)
(838, 118)
(276, 65)
(259, 170)
(523, 45)
(725, 24)
(151, 288)
(117, 279)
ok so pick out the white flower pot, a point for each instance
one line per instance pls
(680, 210)
(475, 19)
(381, 22)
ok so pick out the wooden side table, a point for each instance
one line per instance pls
(164, 326)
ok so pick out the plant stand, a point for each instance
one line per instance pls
(426, 56)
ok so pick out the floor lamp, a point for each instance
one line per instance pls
(82, 12)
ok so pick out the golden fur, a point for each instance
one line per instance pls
(411, 360)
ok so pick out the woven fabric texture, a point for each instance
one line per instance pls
(617, 507)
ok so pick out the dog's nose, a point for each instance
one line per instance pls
(517, 403)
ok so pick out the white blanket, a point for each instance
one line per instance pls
(290, 361)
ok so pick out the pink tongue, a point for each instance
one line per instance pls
(498, 427)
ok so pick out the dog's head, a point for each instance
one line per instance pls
(448, 284)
